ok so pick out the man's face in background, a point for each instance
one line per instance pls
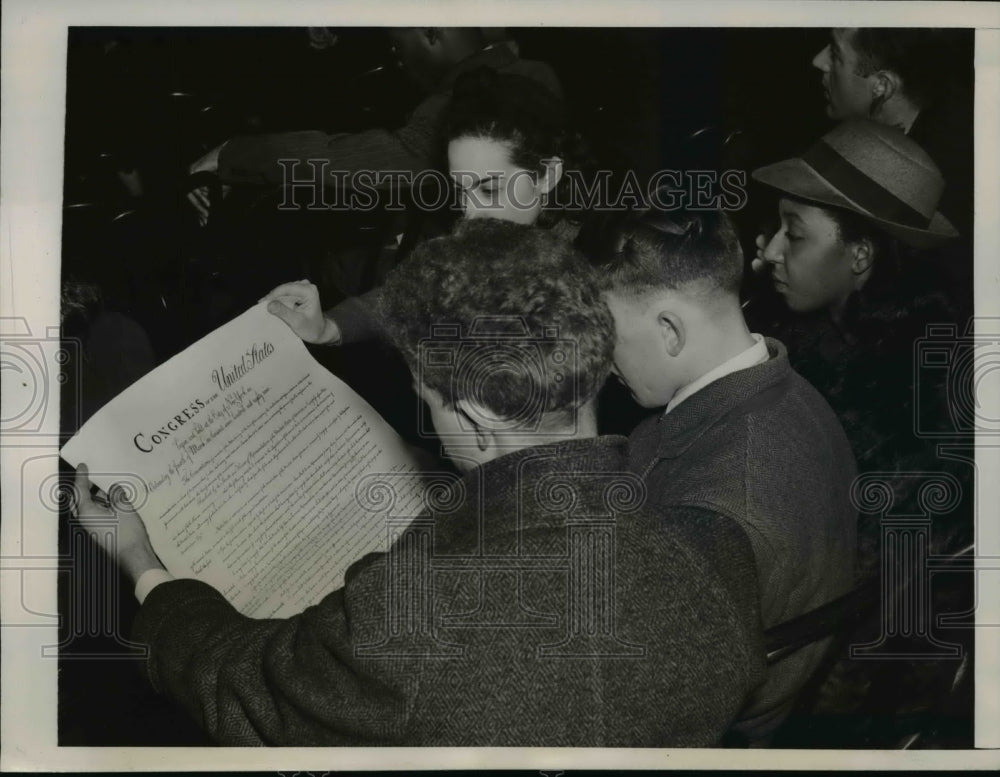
(426, 54)
(417, 55)
(848, 95)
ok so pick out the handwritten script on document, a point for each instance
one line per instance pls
(256, 466)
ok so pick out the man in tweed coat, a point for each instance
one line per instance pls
(536, 603)
(742, 435)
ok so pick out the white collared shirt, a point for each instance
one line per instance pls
(752, 356)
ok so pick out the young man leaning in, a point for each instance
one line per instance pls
(742, 436)
(538, 604)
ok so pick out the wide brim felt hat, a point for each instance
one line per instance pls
(875, 171)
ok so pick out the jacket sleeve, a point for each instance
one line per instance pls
(254, 159)
(295, 681)
(356, 317)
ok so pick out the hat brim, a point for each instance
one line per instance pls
(797, 178)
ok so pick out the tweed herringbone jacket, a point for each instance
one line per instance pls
(540, 605)
(761, 446)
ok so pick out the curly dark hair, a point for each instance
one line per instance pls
(526, 116)
(654, 248)
(520, 310)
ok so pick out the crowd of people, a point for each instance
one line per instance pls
(742, 395)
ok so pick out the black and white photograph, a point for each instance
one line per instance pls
(600, 386)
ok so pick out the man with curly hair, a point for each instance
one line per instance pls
(538, 603)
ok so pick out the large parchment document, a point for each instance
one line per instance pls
(246, 456)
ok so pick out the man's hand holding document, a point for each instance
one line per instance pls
(250, 459)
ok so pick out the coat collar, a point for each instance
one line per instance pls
(673, 433)
(552, 476)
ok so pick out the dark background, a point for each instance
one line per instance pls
(148, 102)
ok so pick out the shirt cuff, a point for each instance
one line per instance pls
(148, 580)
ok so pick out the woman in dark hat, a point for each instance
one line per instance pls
(849, 209)
(853, 260)
(857, 260)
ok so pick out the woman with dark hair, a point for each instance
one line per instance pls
(511, 153)
(507, 144)
(852, 260)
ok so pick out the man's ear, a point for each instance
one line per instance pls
(553, 174)
(672, 331)
(481, 420)
(885, 86)
(862, 256)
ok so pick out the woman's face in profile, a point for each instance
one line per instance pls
(810, 264)
(491, 185)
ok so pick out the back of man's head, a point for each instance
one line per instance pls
(697, 252)
(672, 282)
(924, 59)
(506, 316)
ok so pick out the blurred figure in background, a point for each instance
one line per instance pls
(908, 78)
(113, 352)
(434, 57)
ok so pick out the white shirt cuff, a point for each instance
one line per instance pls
(148, 580)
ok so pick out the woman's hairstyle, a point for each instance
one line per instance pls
(512, 109)
(526, 116)
(507, 315)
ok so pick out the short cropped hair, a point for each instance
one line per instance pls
(922, 58)
(519, 309)
(660, 249)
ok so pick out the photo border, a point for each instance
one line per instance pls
(34, 42)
